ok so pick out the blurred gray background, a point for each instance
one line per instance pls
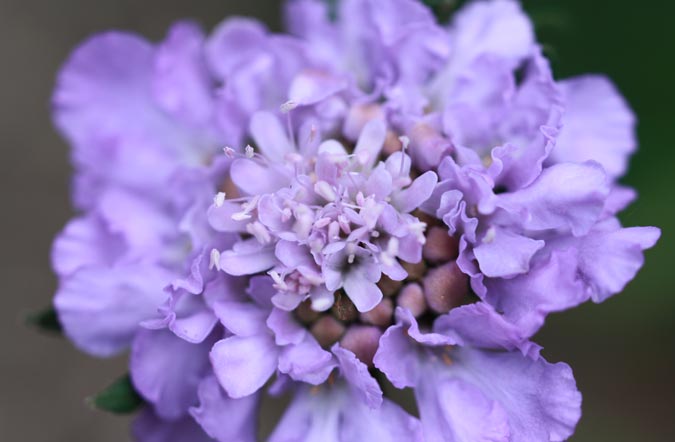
(622, 352)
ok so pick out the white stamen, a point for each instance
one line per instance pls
(279, 282)
(405, 141)
(240, 216)
(219, 199)
(350, 258)
(215, 260)
(286, 214)
(249, 151)
(228, 151)
(418, 229)
(259, 231)
(392, 247)
(293, 157)
(325, 190)
(288, 106)
(247, 208)
(489, 235)
(312, 134)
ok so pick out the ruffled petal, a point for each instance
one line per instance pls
(357, 375)
(455, 411)
(101, 308)
(84, 242)
(103, 104)
(243, 364)
(565, 196)
(182, 84)
(503, 254)
(396, 357)
(551, 285)
(480, 326)
(166, 371)
(223, 418)
(306, 361)
(540, 399)
(247, 258)
(598, 125)
(241, 318)
(610, 256)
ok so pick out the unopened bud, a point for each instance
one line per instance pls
(327, 330)
(416, 270)
(388, 286)
(344, 309)
(412, 298)
(381, 314)
(392, 143)
(357, 118)
(305, 313)
(440, 246)
(362, 340)
(445, 287)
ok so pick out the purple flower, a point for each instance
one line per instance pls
(375, 199)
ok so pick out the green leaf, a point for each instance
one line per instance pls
(45, 320)
(120, 397)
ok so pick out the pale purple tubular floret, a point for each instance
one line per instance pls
(311, 213)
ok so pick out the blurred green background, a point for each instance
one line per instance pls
(622, 352)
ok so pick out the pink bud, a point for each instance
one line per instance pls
(381, 314)
(358, 116)
(445, 287)
(440, 246)
(412, 298)
(362, 340)
(427, 146)
(388, 286)
(327, 330)
(416, 270)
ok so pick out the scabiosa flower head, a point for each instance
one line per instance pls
(374, 201)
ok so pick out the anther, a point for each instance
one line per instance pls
(215, 260)
(219, 199)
